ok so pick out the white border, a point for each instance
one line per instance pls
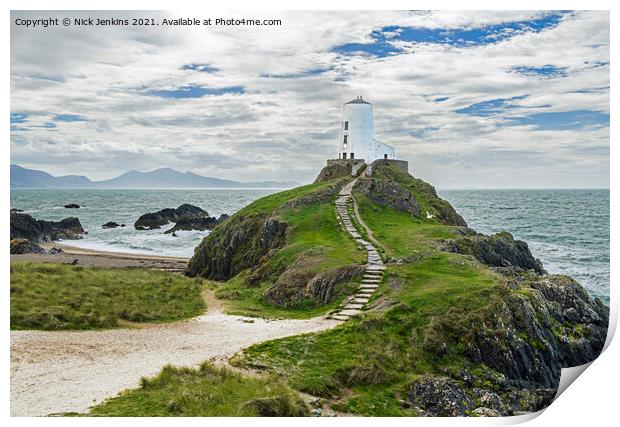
(590, 401)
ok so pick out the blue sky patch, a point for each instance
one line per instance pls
(562, 120)
(421, 133)
(17, 118)
(195, 91)
(491, 107)
(441, 99)
(547, 71)
(69, 118)
(202, 68)
(382, 39)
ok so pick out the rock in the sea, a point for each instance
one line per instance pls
(110, 224)
(23, 226)
(200, 224)
(498, 250)
(155, 220)
(23, 246)
(16, 210)
(72, 206)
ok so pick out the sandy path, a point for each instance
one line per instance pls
(71, 371)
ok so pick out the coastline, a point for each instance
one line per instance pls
(98, 258)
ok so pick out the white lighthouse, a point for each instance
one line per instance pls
(357, 135)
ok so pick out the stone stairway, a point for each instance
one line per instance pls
(373, 273)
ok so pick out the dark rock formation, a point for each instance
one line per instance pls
(298, 284)
(244, 239)
(498, 250)
(23, 246)
(23, 226)
(223, 218)
(203, 223)
(110, 224)
(323, 286)
(72, 206)
(439, 208)
(389, 193)
(155, 220)
(439, 396)
(240, 243)
(16, 210)
(55, 251)
(539, 325)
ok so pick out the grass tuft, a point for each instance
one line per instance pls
(58, 296)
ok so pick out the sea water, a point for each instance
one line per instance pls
(568, 230)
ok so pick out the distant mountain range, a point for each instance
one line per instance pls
(159, 178)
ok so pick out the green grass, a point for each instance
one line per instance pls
(204, 392)
(433, 300)
(315, 243)
(58, 296)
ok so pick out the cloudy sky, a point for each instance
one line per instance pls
(470, 99)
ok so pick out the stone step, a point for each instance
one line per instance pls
(353, 306)
(361, 299)
(369, 285)
(349, 312)
(340, 317)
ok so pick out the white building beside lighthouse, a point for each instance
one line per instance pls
(357, 134)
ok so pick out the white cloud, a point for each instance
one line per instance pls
(285, 128)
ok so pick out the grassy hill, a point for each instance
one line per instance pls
(462, 325)
(284, 255)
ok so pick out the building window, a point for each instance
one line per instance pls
(346, 125)
(345, 139)
(344, 155)
(385, 156)
(352, 155)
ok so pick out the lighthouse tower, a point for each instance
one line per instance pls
(357, 134)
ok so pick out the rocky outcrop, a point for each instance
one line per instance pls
(240, 243)
(324, 286)
(23, 226)
(72, 206)
(154, 220)
(498, 250)
(439, 396)
(551, 323)
(244, 239)
(112, 224)
(22, 246)
(539, 325)
(200, 224)
(297, 284)
(389, 193)
(421, 190)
